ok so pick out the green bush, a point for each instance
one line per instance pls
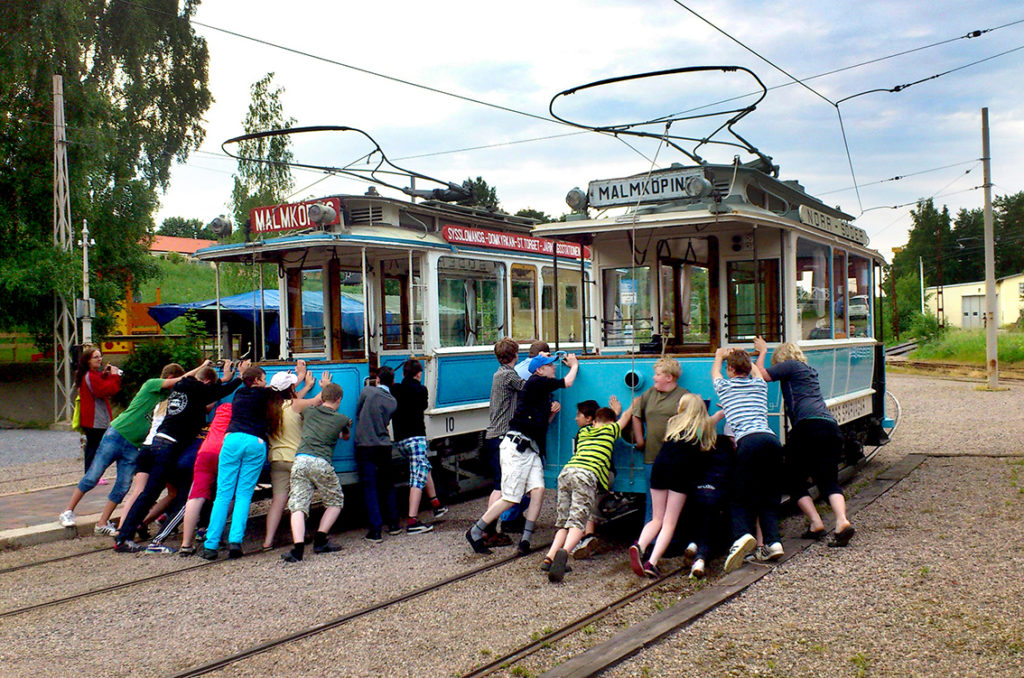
(148, 359)
(925, 326)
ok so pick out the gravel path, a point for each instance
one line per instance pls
(931, 586)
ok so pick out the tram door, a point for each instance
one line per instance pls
(689, 297)
(400, 319)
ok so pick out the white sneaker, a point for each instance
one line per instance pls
(67, 519)
(697, 571)
(691, 550)
(108, 530)
(739, 550)
(774, 551)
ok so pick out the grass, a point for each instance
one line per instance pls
(968, 346)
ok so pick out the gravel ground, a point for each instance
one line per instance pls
(912, 601)
(24, 446)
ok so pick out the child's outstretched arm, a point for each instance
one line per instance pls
(625, 416)
(761, 346)
(716, 366)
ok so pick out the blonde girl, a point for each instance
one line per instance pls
(689, 433)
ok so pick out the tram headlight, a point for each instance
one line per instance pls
(576, 200)
(698, 187)
(321, 214)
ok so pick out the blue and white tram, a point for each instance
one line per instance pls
(688, 259)
(368, 281)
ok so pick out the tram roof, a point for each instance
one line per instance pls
(694, 195)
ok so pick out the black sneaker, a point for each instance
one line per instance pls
(128, 546)
(418, 528)
(289, 557)
(209, 554)
(440, 511)
(395, 530)
(234, 551)
(477, 544)
(186, 551)
(327, 547)
(557, 569)
(524, 548)
(142, 532)
(374, 536)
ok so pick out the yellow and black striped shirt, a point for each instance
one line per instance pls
(594, 450)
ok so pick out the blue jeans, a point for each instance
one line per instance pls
(649, 511)
(112, 448)
(241, 460)
(374, 465)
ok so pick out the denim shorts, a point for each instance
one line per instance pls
(112, 448)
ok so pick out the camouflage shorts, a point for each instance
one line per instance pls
(310, 472)
(577, 497)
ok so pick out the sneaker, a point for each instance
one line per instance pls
(374, 536)
(186, 551)
(209, 554)
(478, 544)
(395, 530)
(289, 557)
(697, 571)
(738, 551)
(327, 547)
(524, 548)
(160, 549)
(557, 570)
(759, 555)
(234, 551)
(201, 534)
(440, 511)
(127, 546)
(634, 560)
(142, 532)
(585, 548)
(108, 530)
(651, 570)
(691, 551)
(418, 528)
(67, 519)
(773, 551)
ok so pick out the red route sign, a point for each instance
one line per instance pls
(290, 216)
(480, 237)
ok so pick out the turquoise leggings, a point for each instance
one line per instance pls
(241, 460)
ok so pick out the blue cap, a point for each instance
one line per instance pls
(540, 361)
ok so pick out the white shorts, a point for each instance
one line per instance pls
(520, 471)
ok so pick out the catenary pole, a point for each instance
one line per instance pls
(991, 356)
(65, 329)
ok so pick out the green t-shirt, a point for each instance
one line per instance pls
(656, 408)
(321, 427)
(133, 424)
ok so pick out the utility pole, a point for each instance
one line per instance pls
(920, 272)
(65, 331)
(87, 304)
(940, 312)
(991, 355)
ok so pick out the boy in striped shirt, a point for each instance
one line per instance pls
(755, 493)
(586, 473)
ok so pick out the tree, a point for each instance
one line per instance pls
(969, 236)
(531, 213)
(267, 178)
(180, 227)
(135, 88)
(1009, 233)
(483, 195)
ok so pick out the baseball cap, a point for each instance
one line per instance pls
(541, 361)
(282, 380)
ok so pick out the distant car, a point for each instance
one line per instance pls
(859, 307)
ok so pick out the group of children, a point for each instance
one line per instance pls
(691, 465)
(687, 463)
(263, 422)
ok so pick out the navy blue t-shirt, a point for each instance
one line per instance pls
(534, 409)
(249, 411)
(801, 391)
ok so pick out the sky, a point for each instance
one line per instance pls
(519, 55)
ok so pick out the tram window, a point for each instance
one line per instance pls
(472, 301)
(395, 326)
(524, 301)
(306, 311)
(570, 313)
(628, 315)
(858, 285)
(839, 301)
(750, 316)
(685, 314)
(353, 324)
(813, 287)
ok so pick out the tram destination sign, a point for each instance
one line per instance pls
(291, 216)
(833, 225)
(670, 185)
(481, 237)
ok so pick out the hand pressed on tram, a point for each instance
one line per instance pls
(325, 378)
